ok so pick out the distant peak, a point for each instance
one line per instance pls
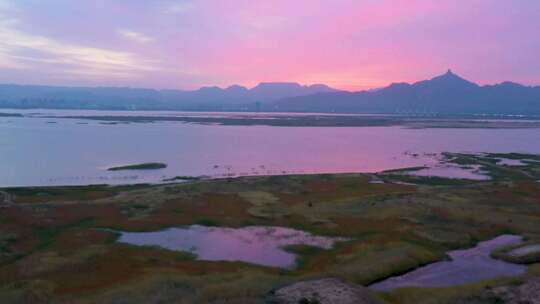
(275, 84)
(510, 83)
(449, 79)
(210, 89)
(236, 87)
(319, 85)
(450, 75)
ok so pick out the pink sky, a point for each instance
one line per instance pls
(185, 44)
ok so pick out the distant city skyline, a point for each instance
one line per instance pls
(187, 44)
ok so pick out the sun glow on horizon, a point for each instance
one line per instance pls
(187, 44)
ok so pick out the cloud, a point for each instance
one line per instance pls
(134, 36)
(346, 43)
(6, 5)
(25, 51)
(178, 7)
(22, 50)
(8, 63)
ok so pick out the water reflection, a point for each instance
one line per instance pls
(466, 266)
(256, 245)
(76, 152)
(446, 170)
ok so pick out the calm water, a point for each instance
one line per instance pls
(466, 266)
(453, 171)
(510, 162)
(45, 151)
(256, 245)
(525, 250)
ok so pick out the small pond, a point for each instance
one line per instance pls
(510, 162)
(466, 266)
(257, 245)
(525, 250)
(453, 171)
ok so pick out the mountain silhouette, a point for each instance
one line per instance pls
(445, 94)
(448, 81)
(212, 98)
(277, 90)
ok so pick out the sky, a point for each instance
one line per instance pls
(186, 44)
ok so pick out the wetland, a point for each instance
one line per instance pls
(219, 213)
(62, 244)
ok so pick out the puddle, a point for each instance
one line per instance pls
(452, 171)
(376, 180)
(525, 250)
(256, 245)
(510, 162)
(466, 266)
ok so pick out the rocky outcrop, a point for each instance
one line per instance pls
(526, 293)
(324, 291)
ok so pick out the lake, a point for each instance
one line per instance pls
(41, 151)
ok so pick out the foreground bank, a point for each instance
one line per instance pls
(60, 244)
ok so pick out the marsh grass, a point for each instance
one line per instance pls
(404, 170)
(426, 180)
(395, 228)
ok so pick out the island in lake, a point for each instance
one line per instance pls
(143, 166)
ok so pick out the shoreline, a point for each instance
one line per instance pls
(292, 119)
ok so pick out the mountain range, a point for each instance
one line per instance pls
(444, 94)
(105, 98)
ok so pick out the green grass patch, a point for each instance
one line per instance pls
(427, 180)
(516, 156)
(304, 253)
(207, 222)
(404, 170)
(182, 178)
